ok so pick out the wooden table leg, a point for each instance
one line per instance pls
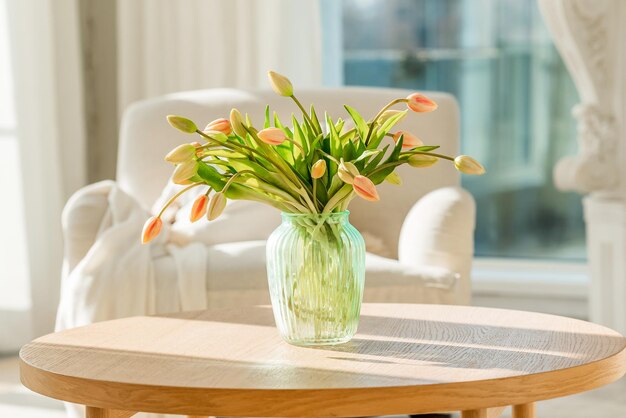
(474, 413)
(93, 412)
(524, 411)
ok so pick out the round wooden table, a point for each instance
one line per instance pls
(406, 359)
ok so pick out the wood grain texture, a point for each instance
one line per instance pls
(495, 412)
(405, 358)
(524, 411)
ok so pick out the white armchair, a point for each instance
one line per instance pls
(422, 230)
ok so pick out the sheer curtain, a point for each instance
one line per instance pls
(173, 45)
(44, 52)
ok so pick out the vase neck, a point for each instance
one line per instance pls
(316, 218)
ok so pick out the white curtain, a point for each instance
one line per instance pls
(173, 45)
(45, 59)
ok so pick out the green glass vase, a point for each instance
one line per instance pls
(316, 274)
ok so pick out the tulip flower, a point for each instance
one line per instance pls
(184, 171)
(419, 103)
(394, 178)
(181, 154)
(236, 122)
(216, 136)
(384, 117)
(408, 139)
(222, 125)
(365, 188)
(280, 84)
(422, 160)
(198, 210)
(467, 165)
(216, 206)
(272, 136)
(318, 169)
(151, 229)
(347, 172)
(182, 124)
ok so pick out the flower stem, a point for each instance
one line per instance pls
(304, 113)
(176, 196)
(379, 114)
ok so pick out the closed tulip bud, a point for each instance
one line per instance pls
(181, 154)
(198, 210)
(365, 188)
(280, 84)
(388, 114)
(422, 160)
(272, 136)
(419, 103)
(216, 136)
(467, 165)
(151, 229)
(216, 206)
(318, 169)
(182, 124)
(408, 139)
(236, 122)
(394, 178)
(347, 172)
(222, 125)
(184, 171)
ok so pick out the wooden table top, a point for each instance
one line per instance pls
(405, 358)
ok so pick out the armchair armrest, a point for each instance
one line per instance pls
(439, 231)
(81, 220)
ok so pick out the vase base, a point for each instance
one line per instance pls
(318, 343)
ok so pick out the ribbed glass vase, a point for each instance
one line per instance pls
(316, 273)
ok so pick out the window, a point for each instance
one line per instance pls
(14, 290)
(515, 95)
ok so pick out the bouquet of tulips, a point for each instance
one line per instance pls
(311, 166)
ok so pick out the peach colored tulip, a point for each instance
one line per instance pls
(182, 124)
(222, 125)
(408, 140)
(422, 160)
(272, 136)
(419, 103)
(467, 165)
(184, 171)
(181, 154)
(236, 122)
(198, 210)
(365, 188)
(151, 229)
(216, 206)
(280, 84)
(318, 169)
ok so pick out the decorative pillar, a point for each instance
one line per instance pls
(591, 38)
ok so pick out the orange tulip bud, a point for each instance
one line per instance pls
(280, 84)
(181, 154)
(419, 103)
(151, 229)
(184, 171)
(272, 136)
(422, 160)
(318, 169)
(467, 165)
(364, 188)
(222, 125)
(408, 139)
(198, 210)
(347, 172)
(216, 206)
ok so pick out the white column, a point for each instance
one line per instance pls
(591, 37)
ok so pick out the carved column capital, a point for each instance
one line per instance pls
(588, 35)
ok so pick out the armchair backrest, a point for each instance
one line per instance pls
(146, 137)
